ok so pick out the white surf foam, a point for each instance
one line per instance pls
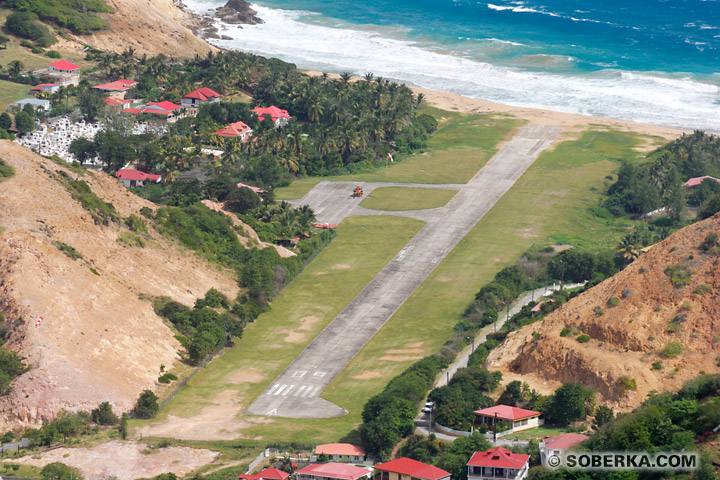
(640, 97)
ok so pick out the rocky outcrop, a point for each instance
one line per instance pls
(631, 318)
(238, 12)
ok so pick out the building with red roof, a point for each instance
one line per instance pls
(267, 474)
(279, 116)
(237, 129)
(332, 471)
(118, 88)
(61, 72)
(115, 102)
(336, 452)
(200, 96)
(498, 463)
(408, 469)
(135, 178)
(559, 444)
(696, 181)
(63, 66)
(164, 109)
(537, 307)
(520, 418)
(46, 87)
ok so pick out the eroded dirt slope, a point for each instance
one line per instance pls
(99, 340)
(629, 338)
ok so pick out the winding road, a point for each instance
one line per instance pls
(296, 392)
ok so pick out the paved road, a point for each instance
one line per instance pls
(295, 393)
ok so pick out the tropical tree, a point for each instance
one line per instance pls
(15, 67)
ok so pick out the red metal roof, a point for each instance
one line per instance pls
(273, 111)
(204, 94)
(408, 466)
(273, 474)
(117, 86)
(64, 65)
(537, 307)
(564, 441)
(498, 457)
(236, 129)
(695, 181)
(340, 471)
(132, 174)
(114, 101)
(332, 448)
(506, 412)
(167, 106)
(40, 86)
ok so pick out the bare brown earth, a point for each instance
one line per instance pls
(124, 460)
(628, 339)
(99, 340)
(149, 27)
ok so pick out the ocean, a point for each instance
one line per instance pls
(646, 61)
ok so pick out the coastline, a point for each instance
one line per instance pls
(569, 122)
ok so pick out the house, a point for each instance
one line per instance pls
(237, 129)
(166, 109)
(200, 96)
(332, 471)
(46, 87)
(336, 452)
(267, 474)
(498, 463)
(696, 181)
(136, 178)
(279, 116)
(558, 444)
(118, 88)
(520, 418)
(37, 103)
(408, 469)
(537, 307)
(114, 102)
(62, 72)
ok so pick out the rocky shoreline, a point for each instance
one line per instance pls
(235, 12)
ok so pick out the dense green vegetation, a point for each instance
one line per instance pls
(658, 183)
(26, 24)
(101, 211)
(466, 392)
(75, 15)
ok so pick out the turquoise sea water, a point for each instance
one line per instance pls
(650, 61)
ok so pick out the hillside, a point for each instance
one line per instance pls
(147, 26)
(629, 341)
(99, 340)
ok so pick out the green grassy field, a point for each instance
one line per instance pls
(554, 201)
(551, 199)
(361, 249)
(11, 92)
(399, 198)
(454, 154)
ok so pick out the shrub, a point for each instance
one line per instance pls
(565, 332)
(6, 171)
(679, 274)
(103, 415)
(135, 223)
(627, 383)
(599, 311)
(67, 250)
(53, 54)
(673, 327)
(613, 302)
(672, 349)
(26, 25)
(710, 242)
(656, 366)
(680, 317)
(130, 240)
(147, 212)
(703, 289)
(60, 471)
(685, 306)
(583, 338)
(167, 378)
(147, 405)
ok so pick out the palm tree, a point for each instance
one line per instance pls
(15, 67)
(629, 248)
